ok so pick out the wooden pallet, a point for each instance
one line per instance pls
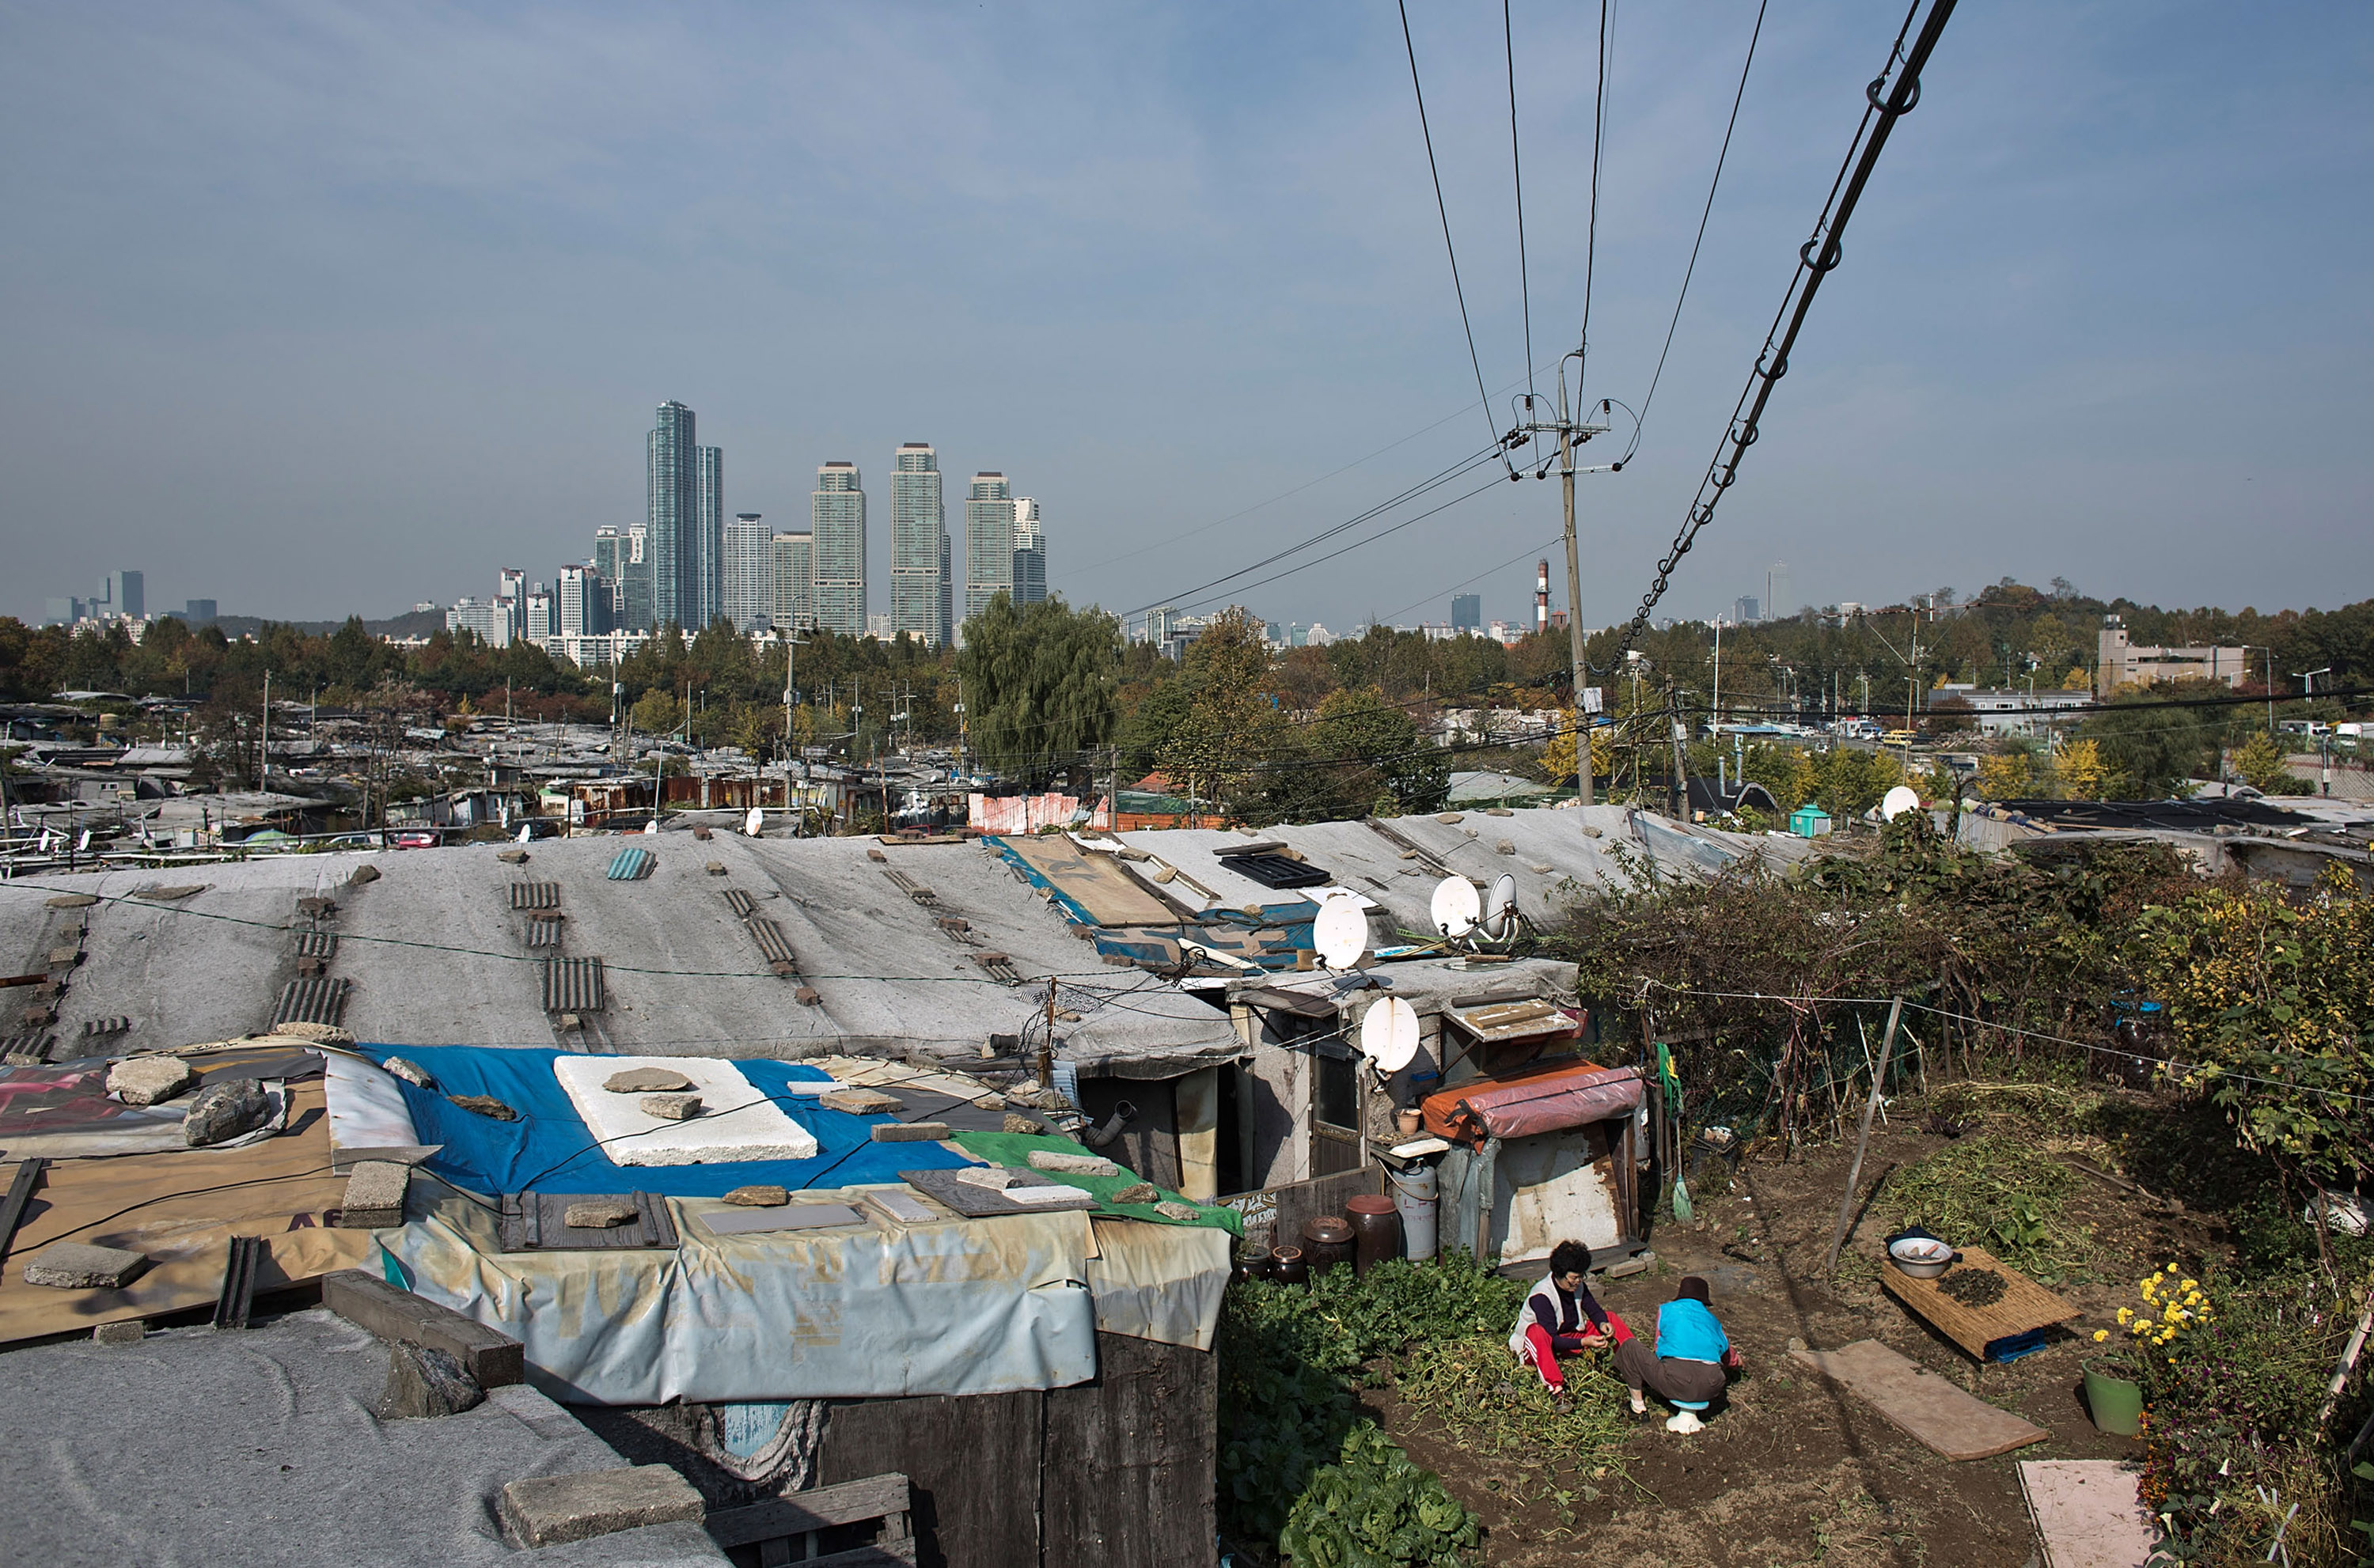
(1989, 1333)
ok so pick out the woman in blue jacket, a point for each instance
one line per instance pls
(1692, 1361)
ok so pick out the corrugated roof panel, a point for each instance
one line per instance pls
(317, 944)
(739, 902)
(317, 1000)
(771, 941)
(536, 895)
(572, 985)
(633, 865)
(543, 933)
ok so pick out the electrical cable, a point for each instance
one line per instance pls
(1517, 167)
(1690, 271)
(1590, 231)
(1465, 466)
(1348, 549)
(1889, 97)
(1444, 211)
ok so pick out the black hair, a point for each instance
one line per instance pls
(1694, 1289)
(1570, 1257)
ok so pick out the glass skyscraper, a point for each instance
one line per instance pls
(709, 518)
(839, 524)
(918, 546)
(989, 542)
(619, 556)
(1029, 553)
(795, 560)
(672, 546)
(749, 590)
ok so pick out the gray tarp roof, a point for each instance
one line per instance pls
(437, 956)
(259, 1447)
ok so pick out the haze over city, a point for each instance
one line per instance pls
(328, 308)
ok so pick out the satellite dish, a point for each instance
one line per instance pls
(754, 823)
(1389, 1035)
(1898, 800)
(1500, 908)
(653, 825)
(1340, 931)
(527, 833)
(1456, 907)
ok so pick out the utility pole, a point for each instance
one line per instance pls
(1571, 433)
(264, 737)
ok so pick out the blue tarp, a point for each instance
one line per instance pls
(549, 1149)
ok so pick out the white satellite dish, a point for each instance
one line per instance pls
(1898, 800)
(1455, 906)
(1340, 931)
(1500, 908)
(1389, 1035)
(653, 825)
(526, 834)
(753, 824)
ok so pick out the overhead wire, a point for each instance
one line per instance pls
(1591, 229)
(1891, 96)
(1517, 167)
(1443, 210)
(1722, 156)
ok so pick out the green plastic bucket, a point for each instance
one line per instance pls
(2116, 1403)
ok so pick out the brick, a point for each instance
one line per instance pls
(1072, 1164)
(146, 1080)
(861, 1102)
(602, 1214)
(549, 1510)
(910, 1131)
(761, 1196)
(374, 1198)
(670, 1107)
(426, 1383)
(76, 1266)
(131, 1331)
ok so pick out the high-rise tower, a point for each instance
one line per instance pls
(1030, 553)
(838, 513)
(794, 558)
(750, 586)
(989, 542)
(709, 523)
(672, 544)
(918, 530)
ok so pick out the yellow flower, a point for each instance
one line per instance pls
(2125, 1312)
(2190, 1285)
(2100, 1335)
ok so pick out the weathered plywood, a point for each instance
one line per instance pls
(2026, 1306)
(1128, 1470)
(971, 1465)
(1098, 884)
(1925, 1405)
(1306, 1201)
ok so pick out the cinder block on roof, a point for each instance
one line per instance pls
(548, 1510)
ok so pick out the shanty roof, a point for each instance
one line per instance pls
(431, 950)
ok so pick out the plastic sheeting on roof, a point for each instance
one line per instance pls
(1548, 1102)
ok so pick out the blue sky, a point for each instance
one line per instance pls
(317, 307)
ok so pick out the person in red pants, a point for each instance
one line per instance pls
(1560, 1317)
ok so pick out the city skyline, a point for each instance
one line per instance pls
(442, 291)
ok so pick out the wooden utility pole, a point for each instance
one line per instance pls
(1863, 1142)
(1047, 1042)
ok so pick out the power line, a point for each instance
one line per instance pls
(1463, 465)
(1491, 424)
(1889, 97)
(1517, 166)
(1356, 543)
(1691, 270)
(1590, 231)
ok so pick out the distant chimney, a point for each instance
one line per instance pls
(1541, 596)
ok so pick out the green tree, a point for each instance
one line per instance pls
(2261, 762)
(1384, 756)
(1231, 730)
(2151, 743)
(1039, 683)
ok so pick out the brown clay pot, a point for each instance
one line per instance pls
(1327, 1241)
(1411, 1122)
(1376, 1229)
(1288, 1267)
(1254, 1263)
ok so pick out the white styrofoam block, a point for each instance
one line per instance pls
(736, 1122)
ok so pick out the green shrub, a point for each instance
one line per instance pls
(1377, 1508)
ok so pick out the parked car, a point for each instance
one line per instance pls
(416, 840)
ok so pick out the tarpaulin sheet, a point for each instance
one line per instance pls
(1546, 1102)
(1095, 890)
(1159, 1283)
(1015, 1148)
(549, 1148)
(944, 1306)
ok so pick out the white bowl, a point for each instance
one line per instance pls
(1920, 1257)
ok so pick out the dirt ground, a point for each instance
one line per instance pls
(1796, 1470)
